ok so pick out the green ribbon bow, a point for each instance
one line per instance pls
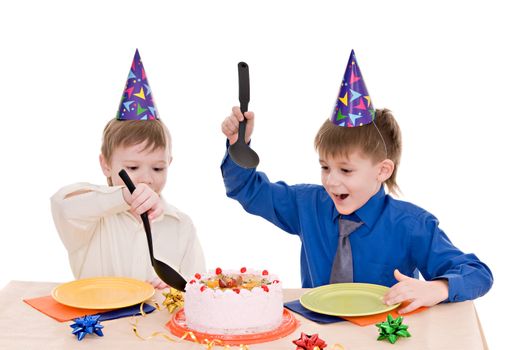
(392, 329)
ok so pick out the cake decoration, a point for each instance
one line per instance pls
(235, 280)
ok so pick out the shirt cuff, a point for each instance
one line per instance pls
(227, 145)
(235, 177)
(454, 286)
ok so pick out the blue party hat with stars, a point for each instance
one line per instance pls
(353, 106)
(137, 102)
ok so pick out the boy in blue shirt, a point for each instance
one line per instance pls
(390, 242)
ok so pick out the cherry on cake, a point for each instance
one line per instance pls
(234, 302)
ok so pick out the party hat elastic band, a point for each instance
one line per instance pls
(353, 107)
(137, 102)
(382, 138)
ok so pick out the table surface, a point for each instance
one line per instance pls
(445, 326)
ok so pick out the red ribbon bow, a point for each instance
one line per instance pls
(309, 342)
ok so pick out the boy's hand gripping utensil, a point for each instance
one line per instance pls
(240, 152)
(163, 271)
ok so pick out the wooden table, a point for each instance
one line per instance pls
(446, 326)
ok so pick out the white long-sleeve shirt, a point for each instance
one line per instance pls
(104, 239)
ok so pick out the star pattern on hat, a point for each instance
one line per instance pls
(353, 106)
(137, 102)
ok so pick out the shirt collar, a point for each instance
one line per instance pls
(369, 212)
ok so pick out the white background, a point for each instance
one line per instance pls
(453, 74)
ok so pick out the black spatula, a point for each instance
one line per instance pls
(163, 271)
(240, 152)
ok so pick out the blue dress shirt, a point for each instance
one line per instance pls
(395, 235)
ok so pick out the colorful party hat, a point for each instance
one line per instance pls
(353, 107)
(137, 102)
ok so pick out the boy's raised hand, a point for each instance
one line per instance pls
(417, 292)
(231, 123)
(144, 199)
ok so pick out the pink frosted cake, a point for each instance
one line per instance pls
(234, 302)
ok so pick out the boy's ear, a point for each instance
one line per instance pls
(104, 166)
(386, 168)
(170, 160)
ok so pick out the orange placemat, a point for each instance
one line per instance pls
(372, 319)
(47, 305)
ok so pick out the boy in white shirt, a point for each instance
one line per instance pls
(101, 227)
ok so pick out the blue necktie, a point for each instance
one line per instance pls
(342, 270)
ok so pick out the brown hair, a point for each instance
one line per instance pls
(337, 141)
(132, 132)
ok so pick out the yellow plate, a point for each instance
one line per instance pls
(103, 292)
(347, 299)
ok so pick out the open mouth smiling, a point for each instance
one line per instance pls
(341, 196)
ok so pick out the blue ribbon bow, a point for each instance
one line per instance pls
(87, 325)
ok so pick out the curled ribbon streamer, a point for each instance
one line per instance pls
(155, 334)
(141, 307)
(334, 347)
(337, 347)
(209, 344)
(191, 335)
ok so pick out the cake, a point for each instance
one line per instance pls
(234, 302)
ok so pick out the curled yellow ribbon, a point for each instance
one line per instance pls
(208, 344)
(334, 347)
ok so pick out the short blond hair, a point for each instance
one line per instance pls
(126, 133)
(336, 141)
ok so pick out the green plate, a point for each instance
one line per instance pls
(347, 299)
